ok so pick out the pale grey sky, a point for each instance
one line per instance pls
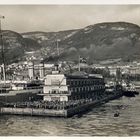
(25, 18)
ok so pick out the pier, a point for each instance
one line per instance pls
(63, 111)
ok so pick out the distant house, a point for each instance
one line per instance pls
(112, 70)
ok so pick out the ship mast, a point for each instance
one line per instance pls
(57, 47)
(2, 51)
(79, 67)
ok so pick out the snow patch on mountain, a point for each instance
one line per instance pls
(118, 28)
(69, 35)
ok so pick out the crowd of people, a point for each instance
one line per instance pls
(57, 105)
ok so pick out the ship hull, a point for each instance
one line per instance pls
(20, 96)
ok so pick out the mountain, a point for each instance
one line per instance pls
(48, 40)
(15, 46)
(95, 42)
(112, 40)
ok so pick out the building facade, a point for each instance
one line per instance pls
(77, 86)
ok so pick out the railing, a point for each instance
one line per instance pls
(59, 92)
(47, 104)
(36, 87)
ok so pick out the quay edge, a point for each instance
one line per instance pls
(55, 113)
(89, 106)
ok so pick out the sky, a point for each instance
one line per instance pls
(49, 18)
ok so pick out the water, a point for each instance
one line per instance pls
(98, 122)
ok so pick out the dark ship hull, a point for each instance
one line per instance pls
(129, 93)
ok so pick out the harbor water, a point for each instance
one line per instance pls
(100, 121)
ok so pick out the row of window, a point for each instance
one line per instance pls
(55, 82)
(87, 88)
(56, 91)
(85, 96)
(84, 82)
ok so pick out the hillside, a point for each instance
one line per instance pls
(97, 42)
(113, 40)
(15, 46)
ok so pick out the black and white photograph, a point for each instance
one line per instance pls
(70, 70)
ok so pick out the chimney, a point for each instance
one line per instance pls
(31, 69)
(41, 70)
(56, 69)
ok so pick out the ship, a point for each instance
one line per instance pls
(11, 90)
(19, 91)
(129, 90)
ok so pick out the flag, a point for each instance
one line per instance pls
(82, 60)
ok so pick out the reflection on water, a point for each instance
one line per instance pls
(98, 122)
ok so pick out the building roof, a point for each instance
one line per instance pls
(83, 75)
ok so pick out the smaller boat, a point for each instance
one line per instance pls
(136, 92)
(128, 93)
(129, 90)
(116, 114)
